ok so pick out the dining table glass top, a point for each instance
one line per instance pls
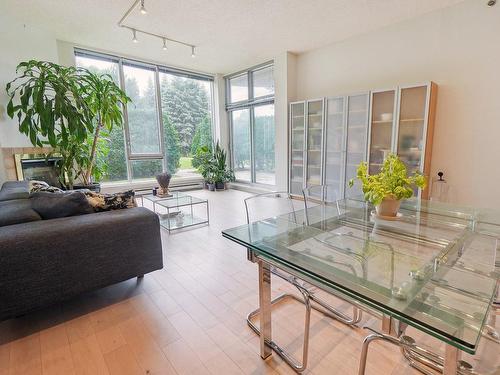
(435, 267)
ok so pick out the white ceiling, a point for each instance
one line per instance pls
(229, 34)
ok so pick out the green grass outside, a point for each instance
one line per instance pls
(186, 162)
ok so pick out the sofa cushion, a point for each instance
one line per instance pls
(35, 186)
(14, 190)
(108, 202)
(54, 205)
(17, 211)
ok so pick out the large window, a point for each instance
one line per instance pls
(167, 122)
(250, 104)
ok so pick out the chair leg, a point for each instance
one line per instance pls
(364, 351)
(140, 277)
(288, 358)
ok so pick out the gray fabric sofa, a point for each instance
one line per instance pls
(43, 262)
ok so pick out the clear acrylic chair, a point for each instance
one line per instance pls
(267, 205)
(320, 197)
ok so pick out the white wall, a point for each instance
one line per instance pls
(459, 49)
(18, 43)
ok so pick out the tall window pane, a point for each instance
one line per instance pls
(142, 112)
(187, 121)
(114, 162)
(241, 144)
(263, 82)
(264, 136)
(238, 88)
(146, 169)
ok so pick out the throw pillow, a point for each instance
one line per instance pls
(107, 202)
(55, 205)
(36, 186)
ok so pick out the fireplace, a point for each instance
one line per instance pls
(37, 167)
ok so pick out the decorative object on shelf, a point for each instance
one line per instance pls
(164, 181)
(440, 189)
(386, 189)
(386, 117)
(67, 108)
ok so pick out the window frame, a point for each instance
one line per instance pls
(249, 104)
(157, 69)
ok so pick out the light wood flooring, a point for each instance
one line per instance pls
(189, 318)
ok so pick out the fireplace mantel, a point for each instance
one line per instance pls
(9, 159)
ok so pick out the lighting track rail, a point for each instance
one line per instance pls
(135, 30)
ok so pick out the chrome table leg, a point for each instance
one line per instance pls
(265, 309)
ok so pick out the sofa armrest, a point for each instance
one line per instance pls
(47, 261)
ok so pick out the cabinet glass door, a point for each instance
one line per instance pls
(297, 121)
(382, 122)
(411, 140)
(357, 132)
(334, 151)
(314, 141)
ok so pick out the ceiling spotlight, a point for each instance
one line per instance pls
(164, 44)
(193, 52)
(492, 2)
(134, 36)
(143, 8)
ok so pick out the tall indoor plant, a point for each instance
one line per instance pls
(65, 108)
(104, 99)
(386, 189)
(48, 102)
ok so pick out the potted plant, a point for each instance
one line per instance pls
(386, 189)
(202, 161)
(222, 174)
(212, 166)
(66, 108)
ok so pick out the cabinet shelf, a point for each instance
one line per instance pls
(411, 120)
(381, 122)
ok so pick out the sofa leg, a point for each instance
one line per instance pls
(140, 276)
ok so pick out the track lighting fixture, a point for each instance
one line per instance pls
(142, 9)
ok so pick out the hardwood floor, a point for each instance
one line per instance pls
(189, 318)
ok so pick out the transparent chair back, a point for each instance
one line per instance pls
(267, 205)
(318, 199)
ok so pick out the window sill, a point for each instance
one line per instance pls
(113, 187)
(251, 188)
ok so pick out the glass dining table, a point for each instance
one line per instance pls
(435, 268)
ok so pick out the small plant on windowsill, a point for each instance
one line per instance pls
(386, 189)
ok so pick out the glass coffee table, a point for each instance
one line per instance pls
(154, 199)
(180, 210)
